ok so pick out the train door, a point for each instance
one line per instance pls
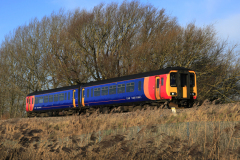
(31, 103)
(157, 88)
(74, 101)
(83, 96)
(183, 85)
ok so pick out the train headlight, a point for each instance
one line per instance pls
(173, 93)
(192, 94)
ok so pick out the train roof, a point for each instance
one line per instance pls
(54, 90)
(134, 76)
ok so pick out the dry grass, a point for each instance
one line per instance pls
(160, 135)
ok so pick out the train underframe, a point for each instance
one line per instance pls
(125, 107)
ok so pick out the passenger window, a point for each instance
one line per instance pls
(139, 85)
(50, 98)
(91, 92)
(55, 97)
(173, 80)
(104, 91)
(96, 92)
(45, 99)
(112, 89)
(68, 95)
(65, 96)
(130, 87)
(61, 97)
(87, 93)
(162, 81)
(121, 88)
(36, 100)
(40, 99)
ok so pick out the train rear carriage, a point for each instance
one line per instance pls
(53, 100)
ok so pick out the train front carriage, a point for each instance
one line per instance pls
(177, 86)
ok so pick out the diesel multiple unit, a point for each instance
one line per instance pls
(175, 85)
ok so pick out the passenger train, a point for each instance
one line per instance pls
(176, 85)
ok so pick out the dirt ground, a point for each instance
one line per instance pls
(81, 137)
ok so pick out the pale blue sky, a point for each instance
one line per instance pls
(224, 14)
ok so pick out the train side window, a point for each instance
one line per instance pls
(121, 88)
(40, 99)
(68, 95)
(45, 99)
(96, 92)
(139, 85)
(87, 93)
(104, 91)
(55, 97)
(112, 89)
(91, 92)
(36, 100)
(130, 87)
(173, 79)
(50, 98)
(65, 96)
(61, 97)
(162, 80)
(192, 80)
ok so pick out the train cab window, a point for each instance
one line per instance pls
(61, 97)
(192, 80)
(96, 92)
(130, 87)
(40, 99)
(36, 100)
(162, 81)
(121, 88)
(68, 95)
(91, 92)
(65, 96)
(173, 79)
(45, 99)
(87, 93)
(104, 91)
(55, 97)
(139, 85)
(50, 98)
(112, 89)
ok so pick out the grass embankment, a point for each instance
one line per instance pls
(210, 134)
